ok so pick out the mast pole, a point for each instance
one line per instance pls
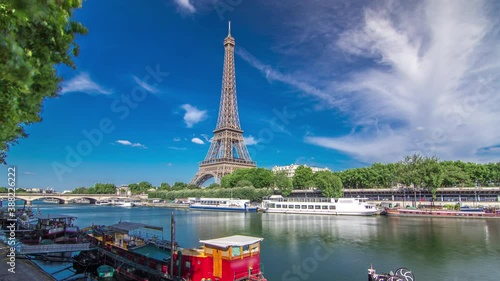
(172, 244)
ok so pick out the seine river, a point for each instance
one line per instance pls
(308, 247)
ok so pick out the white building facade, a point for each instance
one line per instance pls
(290, 169)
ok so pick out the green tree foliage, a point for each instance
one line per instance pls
(80, 190)
(303, 177)
(134, 188)
(144, 186)
(422, 172)
(283, 183)
(411, 171)
(213, 186)
(251, 193)
(454, 175)
(98, 188)
(243, 183)
(165, 186)
(3, 189)
(192, 186)
(141, 187)
(105, 188)
(35, 37)
(262, 178)
(329, 183)
(256, 177)
(433, 174)
(179, 186)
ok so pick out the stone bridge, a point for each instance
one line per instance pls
(63, 198)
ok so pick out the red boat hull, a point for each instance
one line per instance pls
(440, 213)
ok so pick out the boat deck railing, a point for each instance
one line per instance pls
(303, 199)
(138, 266)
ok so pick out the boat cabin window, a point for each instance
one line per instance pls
(297, 206)
(278, 206)
(324, 207)
(304, 207)
(285, 206)
(310, 207)
(317, 207)
(236, 251)
(246, 249)
(255, 248)
(290, 206)
(332, 207)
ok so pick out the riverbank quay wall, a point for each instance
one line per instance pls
(24, 269)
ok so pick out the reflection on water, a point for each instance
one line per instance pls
(314, 247)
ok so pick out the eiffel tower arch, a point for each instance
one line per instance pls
(227, 151)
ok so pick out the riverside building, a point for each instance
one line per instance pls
(289, 170)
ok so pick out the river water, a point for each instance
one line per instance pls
(333, 248)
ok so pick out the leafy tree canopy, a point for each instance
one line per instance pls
(283, 183)
(303, 177)
(329, 183)
(35, 37)
(256, 177)
(164, 186)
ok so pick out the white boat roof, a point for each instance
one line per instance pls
(235, 240)
(216, 199)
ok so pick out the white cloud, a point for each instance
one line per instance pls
(419, 78)
(83, 83)
(193, 115)
(250, 140)
(129, 143)
(197, 141)
(145, 85)
(206, 138)
(274, 75)
(185, 5)
(29, 173)
(177, 139)
(177, 148)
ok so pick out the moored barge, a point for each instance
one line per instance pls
(442, 213)
(138, 255)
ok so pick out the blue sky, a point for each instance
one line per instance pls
(341, 84)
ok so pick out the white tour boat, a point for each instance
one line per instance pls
(320, 206)
(221, 204)
(102, 202)
(127, 203)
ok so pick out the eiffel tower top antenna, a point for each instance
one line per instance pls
(229, 30)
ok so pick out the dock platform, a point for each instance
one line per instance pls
(52, 248)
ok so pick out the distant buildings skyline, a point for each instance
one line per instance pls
(290, 169)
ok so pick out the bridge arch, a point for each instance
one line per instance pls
(63, 198)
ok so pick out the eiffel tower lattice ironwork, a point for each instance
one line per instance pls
(228, 151)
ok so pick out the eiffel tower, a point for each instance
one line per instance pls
(228, 151)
